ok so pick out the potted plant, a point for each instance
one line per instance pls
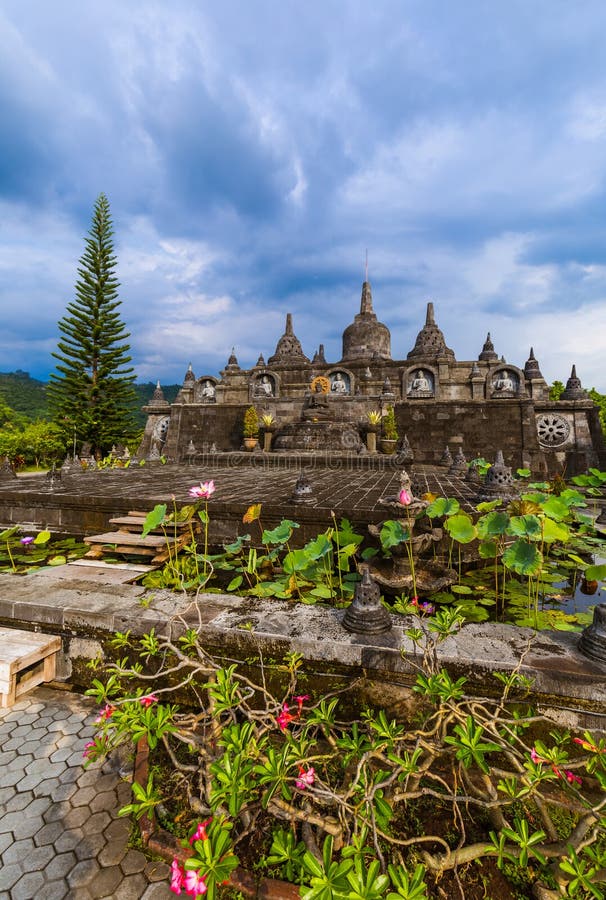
(389, 439)
(373, 421)
(250, 430)
(269, 426)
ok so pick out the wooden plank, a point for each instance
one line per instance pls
(131, 540)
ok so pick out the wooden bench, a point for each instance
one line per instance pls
(26, 660)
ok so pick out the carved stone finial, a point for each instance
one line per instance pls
(158, 398)
(475, 371)
(232, 362)
(531, 367)
(288, 348)
(593, 639)
(446, 458)
(365, 614)
(6, 470)
(574, 389)
(303, 491)
(366, 300)
(319, 356)
(366, 337)
(387, 391)
(459, 464)
(189, 375)
(488, 352)
(260, 363)
(499, 480)
(430, 343)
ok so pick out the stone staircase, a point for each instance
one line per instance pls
(127, 539)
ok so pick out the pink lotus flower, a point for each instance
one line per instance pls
(204, 491)
(571, 778)
(284, 717)
(147, 700)
(200, 832)
(195, 883)
(405, 497)
(306, 778)
(176, 877)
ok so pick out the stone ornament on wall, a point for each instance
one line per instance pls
(420, 384)
(553, 430)
(339, 383)
(504, 383)
(264, 386)
(160, 431)
(320, 385)
(205, 390)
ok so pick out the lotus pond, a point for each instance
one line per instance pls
(22, 552)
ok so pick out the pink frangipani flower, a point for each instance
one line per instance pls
(405, 497)
(105, 714)
(284, 717)
(571, 778)
(300, 700)
(306, 778)
(204, 491)
(195, 883)
(200, 832)
(176, 877)
(148, 700)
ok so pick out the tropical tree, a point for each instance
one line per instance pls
(91, 392)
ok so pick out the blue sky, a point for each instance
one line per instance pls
(253, 151)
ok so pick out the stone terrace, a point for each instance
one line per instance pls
(83, 503)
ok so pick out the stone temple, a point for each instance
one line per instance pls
(472, 407)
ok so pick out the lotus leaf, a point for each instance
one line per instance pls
(554, 531)
(595, 573)
(493, 523)
(526, 526)
(523, 558)
(461, 528)
(392, 533)
(556, 509)
(443, 506)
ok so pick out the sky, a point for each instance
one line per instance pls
(253, 153)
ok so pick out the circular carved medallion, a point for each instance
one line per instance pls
(553, 430)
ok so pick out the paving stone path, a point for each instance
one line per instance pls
(60, 835)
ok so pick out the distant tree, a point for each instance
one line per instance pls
(600, 401)
(91, 394)
(556, 390)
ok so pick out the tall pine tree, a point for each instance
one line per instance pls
(91, 393)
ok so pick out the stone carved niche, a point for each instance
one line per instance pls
(160, 431)
(553, 430)
(340, 383)
(205, 390)
(504, 384)
(263, 387)
(420, 384)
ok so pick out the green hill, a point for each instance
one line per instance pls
(27, 396)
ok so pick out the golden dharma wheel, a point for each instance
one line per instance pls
(320, 385)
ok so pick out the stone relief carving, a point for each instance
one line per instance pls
(264, 387)
(420, 384)
(160, 431)
(504, 383)
(339, 383)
